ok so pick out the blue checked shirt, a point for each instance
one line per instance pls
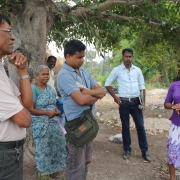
(130, 82)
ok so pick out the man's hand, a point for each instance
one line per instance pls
(84, 90)
(117, 100)
(96, 86)
(97, 91)
(18, 60)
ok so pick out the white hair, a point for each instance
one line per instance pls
(39, 69)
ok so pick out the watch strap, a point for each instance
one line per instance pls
(23, 77)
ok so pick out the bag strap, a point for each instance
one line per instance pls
(86, 86)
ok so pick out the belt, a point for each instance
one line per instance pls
(130, 99)
(11, 144)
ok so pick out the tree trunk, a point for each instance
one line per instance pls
(31, 25)
(103, 64)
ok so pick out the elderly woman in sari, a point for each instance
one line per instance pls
(173, 146)
(49, 140)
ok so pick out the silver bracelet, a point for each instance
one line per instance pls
(23, 77)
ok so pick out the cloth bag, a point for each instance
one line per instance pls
(82, 130)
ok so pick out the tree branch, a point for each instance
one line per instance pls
(109, 4)
(125, 18)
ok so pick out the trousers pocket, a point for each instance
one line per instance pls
(10, 167)
(1, 161)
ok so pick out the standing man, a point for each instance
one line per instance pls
(130, 83)
(14, 116)
(76, 100)
(51, 63)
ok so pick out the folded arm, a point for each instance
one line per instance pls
(83, 99)
(97, 91)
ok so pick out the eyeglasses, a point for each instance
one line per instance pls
(7, 30)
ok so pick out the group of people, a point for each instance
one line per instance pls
(35, 105)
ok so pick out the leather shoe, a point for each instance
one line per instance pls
(146, 156)
(126, 155)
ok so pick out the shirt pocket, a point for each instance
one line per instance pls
(134, 77)
(122, 76)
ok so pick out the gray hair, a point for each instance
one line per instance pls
(39, 69)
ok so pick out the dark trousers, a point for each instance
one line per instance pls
(77, 161)
(131, 108)
(10, 169)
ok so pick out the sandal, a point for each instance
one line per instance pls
(54, 175)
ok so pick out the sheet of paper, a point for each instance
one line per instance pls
(80, 85)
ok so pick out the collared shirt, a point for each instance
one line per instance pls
(130, 82)
(173, 97)
(9, 106)
(51, 81)
(66, 81)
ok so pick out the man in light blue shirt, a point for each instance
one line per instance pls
(130, 82)
(76, 100)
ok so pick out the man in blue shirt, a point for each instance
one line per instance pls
(76, 100)
(130, 82)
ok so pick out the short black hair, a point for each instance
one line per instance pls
(73, 46)
(51, 57)
(3, 19)
(127, 50)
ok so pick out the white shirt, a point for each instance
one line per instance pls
(130, 82)
(51, 80)
(9, 106)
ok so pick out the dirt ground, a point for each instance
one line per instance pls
(108, 163)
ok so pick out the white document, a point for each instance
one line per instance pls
(80, 85)
(141, 98)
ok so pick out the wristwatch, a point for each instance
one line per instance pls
(23, 77)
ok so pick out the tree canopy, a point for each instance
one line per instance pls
(102, 22)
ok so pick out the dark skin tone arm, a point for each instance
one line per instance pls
(22, 118)
(38, 112)
(83, 99)
(111, 92)
(168, 105)
(88, 96)
(177, 108)
(97, 91)
(116, 98)
(172, 106)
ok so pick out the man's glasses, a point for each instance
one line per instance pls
(7, 30)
